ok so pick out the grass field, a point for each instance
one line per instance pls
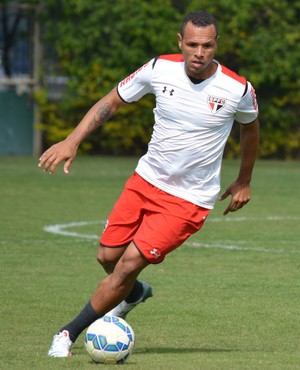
(229, 299)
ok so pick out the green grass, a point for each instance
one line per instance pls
(228, 299)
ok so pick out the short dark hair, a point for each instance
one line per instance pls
(200, 18)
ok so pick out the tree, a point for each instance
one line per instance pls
(8, 36)
(99, 42)
(259, 39)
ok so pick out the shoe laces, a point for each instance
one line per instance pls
(61, 338)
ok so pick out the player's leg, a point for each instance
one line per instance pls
(122, 224)
(160, 233)
(141, 290)
(120, 282)
(108, 257)
(110, 292)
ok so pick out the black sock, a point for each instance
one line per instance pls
(135, 293)
(86, 317)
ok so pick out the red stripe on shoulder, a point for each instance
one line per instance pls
(172, 57)
(233, 75)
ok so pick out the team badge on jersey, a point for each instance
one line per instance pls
(215, 103)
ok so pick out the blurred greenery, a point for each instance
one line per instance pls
(96, 43)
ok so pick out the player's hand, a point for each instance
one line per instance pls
(240, 195)
(57, 153)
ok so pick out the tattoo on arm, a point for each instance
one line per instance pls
(102, 114)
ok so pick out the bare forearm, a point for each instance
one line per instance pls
(66, 150)
(96, 116)
(102, 111)
(102, 114)
(249, 142)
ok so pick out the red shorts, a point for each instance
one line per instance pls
(154, 220)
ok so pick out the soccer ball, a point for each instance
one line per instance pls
(109, 340)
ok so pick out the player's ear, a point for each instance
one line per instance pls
(179, 38)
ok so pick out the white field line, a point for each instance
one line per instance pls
(241, 219)
(239, 248)
(63, 229)
(60, 229)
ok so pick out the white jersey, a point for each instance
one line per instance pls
(192, 124)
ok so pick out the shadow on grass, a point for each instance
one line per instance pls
(158, 350)
(172, 350)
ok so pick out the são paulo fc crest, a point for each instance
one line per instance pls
(215, 103)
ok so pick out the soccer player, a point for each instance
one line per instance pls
(177, 182)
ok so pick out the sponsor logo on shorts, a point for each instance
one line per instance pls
(155, 253)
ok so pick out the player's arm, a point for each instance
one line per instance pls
(66, 150)
(240, 188)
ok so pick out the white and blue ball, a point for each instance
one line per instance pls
(109, 340)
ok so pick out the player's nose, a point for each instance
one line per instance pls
(199, 51)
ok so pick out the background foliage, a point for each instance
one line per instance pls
(96, 43)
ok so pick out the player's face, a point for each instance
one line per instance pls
(198, 46)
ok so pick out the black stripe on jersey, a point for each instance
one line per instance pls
(154, 62)
(246, 88)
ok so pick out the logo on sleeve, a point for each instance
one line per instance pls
(253, 95)
(130, 77)
(215, 103)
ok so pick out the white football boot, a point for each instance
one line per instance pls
(61, 345)
(124, 308)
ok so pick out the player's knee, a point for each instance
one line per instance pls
(106, 263)
(107, 257)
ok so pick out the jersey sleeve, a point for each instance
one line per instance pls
(247, 110)
(138, 84)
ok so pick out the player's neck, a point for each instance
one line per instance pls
(210, 71)
(196, 81)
